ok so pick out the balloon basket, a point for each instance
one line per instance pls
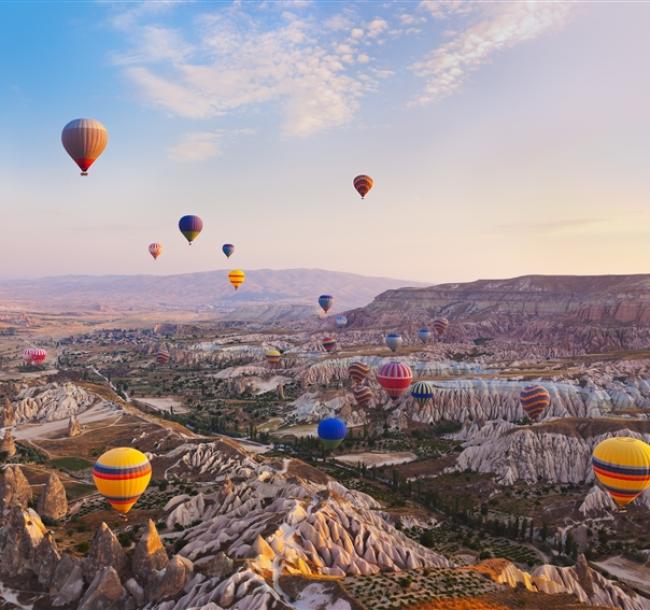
(83, 174)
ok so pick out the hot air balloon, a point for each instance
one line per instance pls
(121, 475)
(341, 321)
(236, 278)
(326, 301)
(363, 184)
(440, 325)
(362, 394)
(622, 466)
(422, 392)
(34, 356)
(155, 249)
(162, 355)
(534, 400)
(273, 358)
(393, 341)
(228, 249)
(395, 378)
(84, 140)
(424, 334)
(331, 432)
(190, 226)
(358, 371)
(329, 343)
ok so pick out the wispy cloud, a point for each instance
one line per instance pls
(203, 145)
(499, 26)
(235, 61)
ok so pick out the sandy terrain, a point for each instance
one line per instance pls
(377, 459)
(164, 403)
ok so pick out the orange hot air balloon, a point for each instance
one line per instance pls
(155, 249)
(236, 278)
(84, 140)
(363, 184)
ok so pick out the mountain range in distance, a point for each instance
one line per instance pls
(202, 291)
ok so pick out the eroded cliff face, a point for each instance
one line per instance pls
(51, 402)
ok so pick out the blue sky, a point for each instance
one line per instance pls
(504, 138)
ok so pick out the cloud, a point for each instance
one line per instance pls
(196, 146)
(442, 9)
(500, 26)
(235, 62)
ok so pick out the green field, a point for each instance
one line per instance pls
(70, 463)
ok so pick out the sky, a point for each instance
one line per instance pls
(504, 138)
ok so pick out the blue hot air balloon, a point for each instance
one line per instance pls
(422, 391)
(393, 341)
(228, 249)
(190, 226)
(326, 301)
(331, 432)
(424, 334)
(341, 321)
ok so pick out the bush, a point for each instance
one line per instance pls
(426, 538)
(82, 547)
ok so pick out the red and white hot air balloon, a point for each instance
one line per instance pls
(395, 378)
(440, 325)
(155, 249)
(84, 140)
(34, 356)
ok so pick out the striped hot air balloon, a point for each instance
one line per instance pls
(162, 355)
(34, 356)
(622, 466)
(422, 391)
(363, 184)
(236, 277)
(362, 395)
(326, 301)
(155, 249)
(331, 432)
(228, 249)
(341, 321)
(395, 378)
(534, 400)
(84, 140)
(358, 371)
(273, 358)
(424, 334)
(393, 341)
(440, 325)
(121, 475)
(190, 226)
(329, 344)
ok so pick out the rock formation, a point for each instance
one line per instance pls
(7, 418)
(105, 551)
(74, 427)
(67, 583)
(149, 555)
(8, 445)
(52, 401)
(53, 502)
(14, 488)
(105, 592)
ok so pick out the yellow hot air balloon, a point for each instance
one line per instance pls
(622, 466)
(237, 277)
(121, 475)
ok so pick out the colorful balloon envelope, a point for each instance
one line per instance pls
(228, 249)
(341, 321)
(273, 358)
(155, 249)
(329, 344)
(331, 432)
(424, 334)
(84, 140)
(190, 226)
(363, 184)
(236, 277)
(422, 392)
(395, 378)
(534, 399)
(393, 341)
(34, 355)
(440, 325)
(326, 301)
(162, 356)
(121, 475)
(358, 371)
(622, 466)
(362, 395)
